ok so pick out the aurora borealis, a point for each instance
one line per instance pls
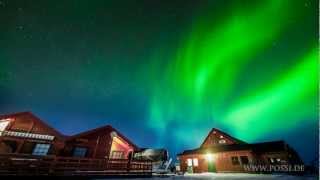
(165, 72)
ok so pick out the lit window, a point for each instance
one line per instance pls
(209, 157)
(278, 160)
(189, 162)
(3, 125)
(41, 149)
(195, 162)
(221, 136)
(222, 141)
(79, 152)
(117, 155)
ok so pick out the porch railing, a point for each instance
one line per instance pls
(25, 164)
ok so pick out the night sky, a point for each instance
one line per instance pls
(165, 72)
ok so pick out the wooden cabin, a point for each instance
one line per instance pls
(90, 143)
(29, 144)
(26, 134)
(221, 152)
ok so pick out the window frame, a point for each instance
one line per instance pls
(118, 155)
(189, 162)
(79, 150)
(195, 162)
(41, 149)
(235, 160)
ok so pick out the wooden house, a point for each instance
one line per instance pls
(221, 152)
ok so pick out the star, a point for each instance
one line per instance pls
(20, 27)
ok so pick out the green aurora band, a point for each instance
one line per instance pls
(198, 89)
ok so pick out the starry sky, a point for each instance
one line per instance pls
(165, 72)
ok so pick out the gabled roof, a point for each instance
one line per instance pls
(106, 129)
(272, 146)
(34, 119)
(238, 141)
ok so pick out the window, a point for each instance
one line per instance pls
(235, 160)
(3, 125)
(222, 141)
(41, 149)
(244, 159)
(117, 155)
(189, 162)
(79, 152)
(195, 162)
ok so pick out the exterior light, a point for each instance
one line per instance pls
(210, 157)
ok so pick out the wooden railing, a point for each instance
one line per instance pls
(23, 164)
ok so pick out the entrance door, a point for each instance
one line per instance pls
(211, 166)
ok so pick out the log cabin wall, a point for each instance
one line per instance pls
(97, 145)
(233, 161)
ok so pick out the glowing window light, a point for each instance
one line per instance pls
(195, 162)
(3, 125)
(189, 162)
(119, 145)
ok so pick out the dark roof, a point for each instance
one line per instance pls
(272, 146)
(106, 129)
(33, 118)
(224, 134)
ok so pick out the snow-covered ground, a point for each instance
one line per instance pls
(243, 176)
(230, 176)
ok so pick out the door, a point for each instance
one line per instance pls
(211, 166)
